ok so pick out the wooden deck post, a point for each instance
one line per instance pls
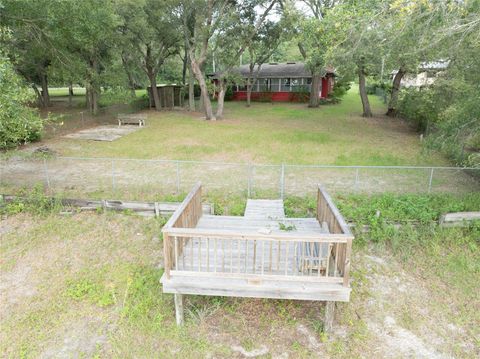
(329, 314)
(179, 308)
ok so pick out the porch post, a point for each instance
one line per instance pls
(329, 314)
(179, 308)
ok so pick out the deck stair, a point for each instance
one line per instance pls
(264, 209)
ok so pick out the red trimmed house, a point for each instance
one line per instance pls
(280, 82)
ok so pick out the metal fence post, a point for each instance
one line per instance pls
(282, 181)
(45, 168)
(113, 175)
(357, 177)
(178, 177)
(430, 180)
(249, 180)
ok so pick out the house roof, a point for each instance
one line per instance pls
(285, 69)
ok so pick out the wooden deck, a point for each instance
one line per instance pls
(264, 209)
(262, 254)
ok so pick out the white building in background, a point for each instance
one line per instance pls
(426, 75)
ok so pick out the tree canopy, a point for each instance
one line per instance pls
(138, 43)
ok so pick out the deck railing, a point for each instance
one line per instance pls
(186, 216)
(329, 215)
(322, 257)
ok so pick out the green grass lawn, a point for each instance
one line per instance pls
(269, 133)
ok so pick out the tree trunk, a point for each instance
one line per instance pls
(70, 94)
(207, 104)
(314, 100)
(184, 65)
(221, 99)
(39, 95)
(131, 82)
(367, 112)
(87, 95)
(45, 95)
(249, 91)
(153, 85)
(191, 89)
(94, 100)
(392, 104)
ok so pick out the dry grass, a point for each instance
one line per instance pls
(87, 285)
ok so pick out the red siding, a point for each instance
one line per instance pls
(282, 96)
(275, 96)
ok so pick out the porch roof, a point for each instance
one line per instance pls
(277, 70)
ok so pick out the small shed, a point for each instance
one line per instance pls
(171, 96)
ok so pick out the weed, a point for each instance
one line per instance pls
(287, 228)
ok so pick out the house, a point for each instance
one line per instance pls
(279, 82)
(426, 74)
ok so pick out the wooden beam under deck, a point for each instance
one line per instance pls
(254, 288)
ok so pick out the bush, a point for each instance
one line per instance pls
(418, 106)
(374, 86)
(340, 88)
(19, 123)
(229, 93)
(300, 94)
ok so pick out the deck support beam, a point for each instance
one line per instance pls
(329, 314)
(179, 308)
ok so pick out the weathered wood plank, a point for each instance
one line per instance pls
(141, 208)
(458, 218)
(275, 289)
(264, 209)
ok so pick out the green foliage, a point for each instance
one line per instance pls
(32, 201)
(340, 89)
(19, 123)
(87, 289)
(286, 228)
(403, 208)
(418, 107)
(142, 301)
(374, 86)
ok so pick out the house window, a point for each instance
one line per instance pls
(274, 85)
(264, 85)
(285, 85)
(294, 84)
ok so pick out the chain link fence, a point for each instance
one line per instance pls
(133, 179)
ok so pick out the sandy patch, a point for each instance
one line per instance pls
(103, 133)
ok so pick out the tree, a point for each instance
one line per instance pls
(148, 36)
(86, 32)
(314, 39)
(358, 42)
(30, 47)
(19, 123)
(232, 25)
(409, 29)
(261, 48)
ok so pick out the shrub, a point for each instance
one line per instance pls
(418, 106)
(19, 123)
(300, 94)
(374, 86)
(229, 93)
(340, 88)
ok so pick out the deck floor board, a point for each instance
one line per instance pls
(264, 209)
